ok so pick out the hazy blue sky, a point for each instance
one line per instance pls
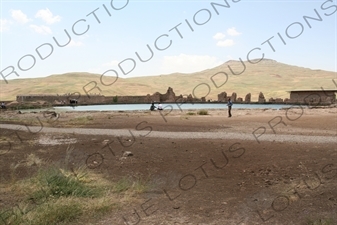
(103, 41)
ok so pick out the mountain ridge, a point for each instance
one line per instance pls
(272, 78)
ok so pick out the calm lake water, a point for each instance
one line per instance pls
(169, 106)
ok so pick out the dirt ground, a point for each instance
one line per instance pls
(193, 179)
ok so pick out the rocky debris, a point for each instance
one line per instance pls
(127, 154)
(50, 113)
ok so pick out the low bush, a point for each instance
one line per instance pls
(202, 112)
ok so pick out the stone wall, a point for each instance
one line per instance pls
(313, 97)
(61, 99)
(296, 97)
(169, 96)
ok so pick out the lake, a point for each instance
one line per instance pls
(169, 106)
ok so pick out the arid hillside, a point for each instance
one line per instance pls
(272, 78)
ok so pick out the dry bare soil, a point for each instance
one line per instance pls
(193, 169)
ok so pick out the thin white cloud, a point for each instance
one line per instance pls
(233, 32)
(75, 44)
(4, 25)
(19, 16)
(41, 29)
(47, 16)
(225, 43)
(112, 63)
(219, 36)
(188, 63)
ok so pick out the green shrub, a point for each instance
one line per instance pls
(203, 112)
(53, 183)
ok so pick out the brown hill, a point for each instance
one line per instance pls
(272, 78)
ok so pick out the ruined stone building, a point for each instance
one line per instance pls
(313, 97)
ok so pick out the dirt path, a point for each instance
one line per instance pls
(177, 135)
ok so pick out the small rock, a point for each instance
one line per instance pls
(127, 153)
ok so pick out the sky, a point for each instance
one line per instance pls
(127, 38)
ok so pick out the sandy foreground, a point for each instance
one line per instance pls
(257, 167)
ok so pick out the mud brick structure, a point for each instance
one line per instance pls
(261, 98)
(222, 97)
(61, 99)
(277, 100)
(308, 97)
(56, 99)
(248, 98)
(313, 97)
(234, 96)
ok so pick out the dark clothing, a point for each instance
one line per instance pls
(229, 104)
(152, 108)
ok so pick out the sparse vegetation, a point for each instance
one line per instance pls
(202, 112)
(60, 196)
(81, 120)
(320, 222)
(55, 183)
(135, 186)
(191, 113)
(57, 212)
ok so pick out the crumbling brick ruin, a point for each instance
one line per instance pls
(233, 97)
(311, 97)
(261, 98)
(222, 97)
(56, 99)
(248, 98)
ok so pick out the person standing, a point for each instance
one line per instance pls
(229, 104)
(160, 106)
(152, 107)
